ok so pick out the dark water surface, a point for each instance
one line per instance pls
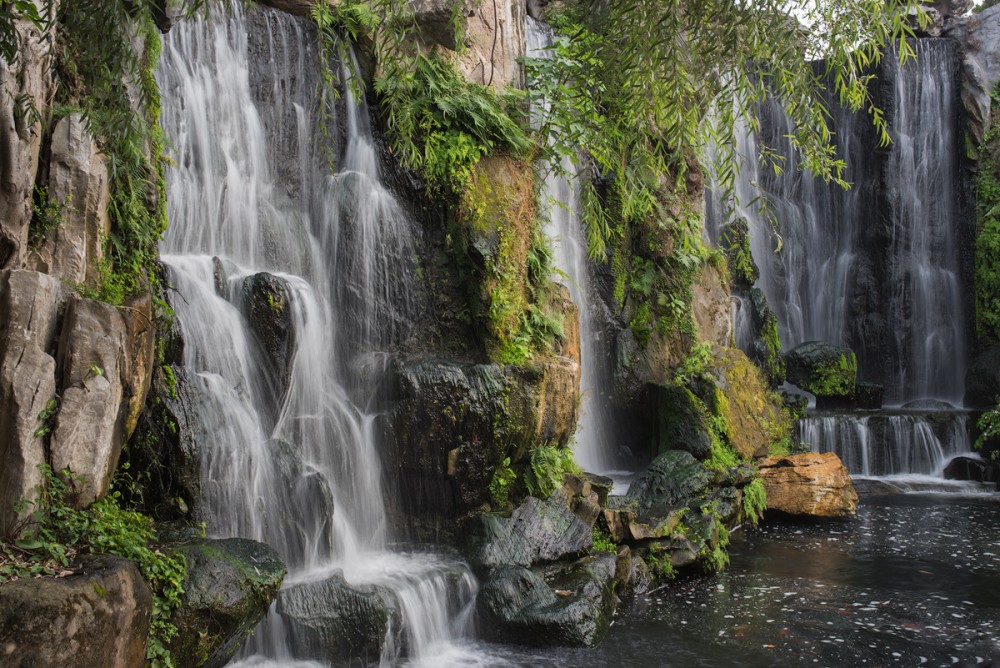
(912, 580)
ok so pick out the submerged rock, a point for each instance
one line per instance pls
(823, 369)
(536, 532)
(571, 605)
(331, 620)
(230, 585)
(970, 468)
(97, 618)
(813, 484)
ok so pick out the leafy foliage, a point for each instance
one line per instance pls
(754, 501)
(58, 533)
(987, 259)
(503, 479)
(630, 84)
(603, 541)
(549, 464)
(443, 124)
(660, 566)
(989, 430)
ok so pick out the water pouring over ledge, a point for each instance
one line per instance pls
(288, 279)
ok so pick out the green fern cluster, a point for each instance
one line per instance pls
(442, 124)
(549, 465)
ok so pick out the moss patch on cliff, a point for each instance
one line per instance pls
(498, 235)
(106, 57)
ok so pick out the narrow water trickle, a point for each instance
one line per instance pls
(291, 285)
(596, 447)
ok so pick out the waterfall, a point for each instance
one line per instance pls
(875, 267)
(596, 448)
(925, 306)
(291, 283)
(889, 445)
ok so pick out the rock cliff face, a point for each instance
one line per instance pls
(27, 89)
(74, 371)
(979, 38)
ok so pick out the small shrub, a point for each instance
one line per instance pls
(503, 479)
(660, 566)
(603, 542)
(57, 533)
(989, 425)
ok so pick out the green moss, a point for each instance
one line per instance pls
(987, 246)
(94, 57)
(603, 542)
(754, 501)
(660, 566)
(736, 243)
(500, 484)
(834, 379)
(773, 364)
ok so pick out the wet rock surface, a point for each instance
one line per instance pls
(333, 620)
(230, 585)
(569, 605)
(536, 532)
(672, 480)
(822, 369)
(455, 423)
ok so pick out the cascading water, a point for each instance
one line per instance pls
(876, 267)
(890, 445)
(596, 449)
(290, 281)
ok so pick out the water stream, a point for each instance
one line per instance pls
(291, 282)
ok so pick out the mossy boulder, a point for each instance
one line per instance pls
(455, 423)
(99, 617)
(752, 415)
(681, 421)
(566, 605)
(823, 369)
(230, 585)
(674, 479)
(536, 532)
